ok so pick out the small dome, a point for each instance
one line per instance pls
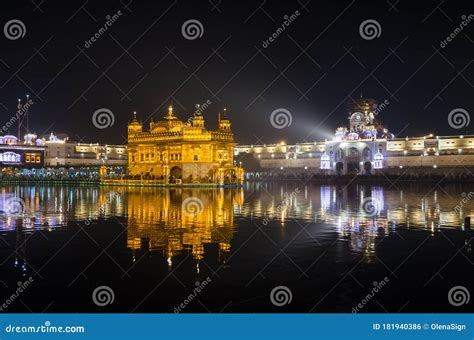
(353, 136)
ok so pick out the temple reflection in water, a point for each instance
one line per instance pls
(176, 221)
(181, 220)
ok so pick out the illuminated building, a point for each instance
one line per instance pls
(181, 220)
(14, 154)
(17, 154)
(51, 151)
(366, 147)
(60, 151)
(57, 155)
(175, 151)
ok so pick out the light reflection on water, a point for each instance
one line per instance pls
(173, 221)
(341, 205)
(47, 208)
(157, 220)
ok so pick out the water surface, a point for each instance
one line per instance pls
(328, 245)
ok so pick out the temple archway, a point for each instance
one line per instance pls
(230, 176)
(176, 172)
(367, 154)
(352, 167)
(368, 167)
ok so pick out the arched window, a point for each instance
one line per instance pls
(325, 161)
(10, 157)
(378, 160)
(353, 136)
(353, 152)
(367, 154)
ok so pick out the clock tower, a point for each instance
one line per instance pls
(362, 115)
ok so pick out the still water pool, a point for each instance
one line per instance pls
(266, 247)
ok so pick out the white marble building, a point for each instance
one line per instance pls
(366, 147)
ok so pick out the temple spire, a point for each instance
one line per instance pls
(134, 126)
(170, 114)
(224, 122)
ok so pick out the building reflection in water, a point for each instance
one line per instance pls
(181, 220)
(344, 209)
(46, 208)
(158, 220)
(25, 210)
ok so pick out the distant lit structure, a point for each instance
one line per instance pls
(60, 151)
(175, 151)
(366, 147)
(14, 154)
(29, 155)
(56, 155)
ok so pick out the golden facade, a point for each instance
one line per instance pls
(181, 220)
(176, 151)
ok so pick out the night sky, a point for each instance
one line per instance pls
(143, 62)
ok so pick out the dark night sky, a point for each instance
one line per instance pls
(311, 69)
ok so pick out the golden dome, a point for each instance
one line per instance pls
(170, 122)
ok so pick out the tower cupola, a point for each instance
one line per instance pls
(134, 126)
(224, 122)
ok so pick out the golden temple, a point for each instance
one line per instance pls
(175, 152)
